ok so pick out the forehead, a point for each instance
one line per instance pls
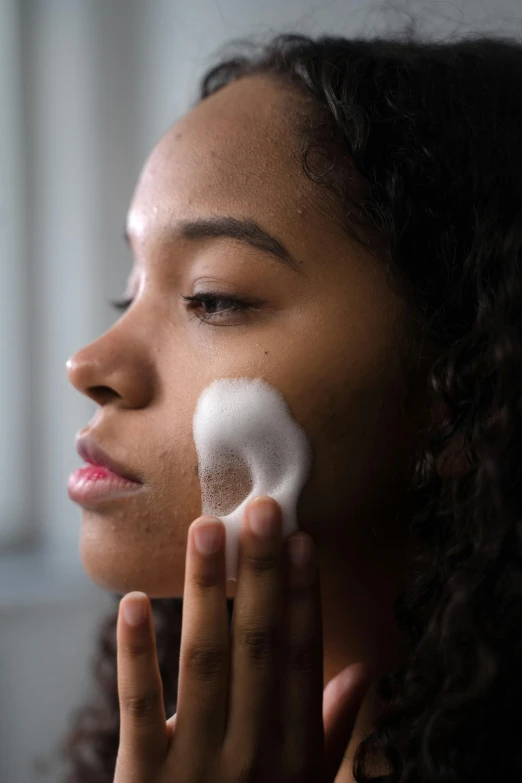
(236, 153)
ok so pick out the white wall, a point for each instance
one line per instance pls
(45, 654)
(90, 85)
(14, 504)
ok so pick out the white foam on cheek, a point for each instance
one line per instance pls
(248, 444)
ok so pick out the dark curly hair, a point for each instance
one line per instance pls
(434, 129)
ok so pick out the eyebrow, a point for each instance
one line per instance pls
(242, 229)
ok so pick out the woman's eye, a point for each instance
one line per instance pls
(208, 307)
(213, 306)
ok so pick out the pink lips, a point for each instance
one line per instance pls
(102, 479)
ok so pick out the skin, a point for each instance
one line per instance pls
(329, 336)
(257, 711)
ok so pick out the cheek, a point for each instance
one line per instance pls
(362, 446)
(139, 543)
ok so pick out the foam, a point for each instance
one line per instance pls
(248, 444)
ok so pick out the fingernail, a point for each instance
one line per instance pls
(263, 517)
(208, 536)
(135, 608)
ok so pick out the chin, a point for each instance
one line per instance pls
(120, 564)
(124, 549)
(115, 578)
(113, 574)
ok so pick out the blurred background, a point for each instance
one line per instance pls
(86, 89)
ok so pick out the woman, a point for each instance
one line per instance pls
(385, 306)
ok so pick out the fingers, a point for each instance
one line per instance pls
(203, 667)
(342, 701)
(256, 628)
(302, 681)
(143, 733)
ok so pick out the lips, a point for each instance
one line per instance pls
(102, 480)
(89, 450)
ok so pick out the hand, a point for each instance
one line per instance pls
(250, 704)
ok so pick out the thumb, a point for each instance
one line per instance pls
(342, 699)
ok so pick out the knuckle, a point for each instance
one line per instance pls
(304, 656)
(135, 649)
(243, 771)
(205, 579)
(206, 662)
(301, 592)
(140, 706)
(260, 563)
(259, 643)
(239, 763)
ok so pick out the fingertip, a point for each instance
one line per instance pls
(135, 607)
(204, 518)
(135, 594)
(263, 499)
(274, 507)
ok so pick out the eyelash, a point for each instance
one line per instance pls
(236, 305)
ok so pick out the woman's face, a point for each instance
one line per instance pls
(324, 331)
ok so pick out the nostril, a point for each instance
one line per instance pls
(101, 394)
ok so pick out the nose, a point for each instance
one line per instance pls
(107, 370)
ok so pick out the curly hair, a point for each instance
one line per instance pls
(434, 130)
